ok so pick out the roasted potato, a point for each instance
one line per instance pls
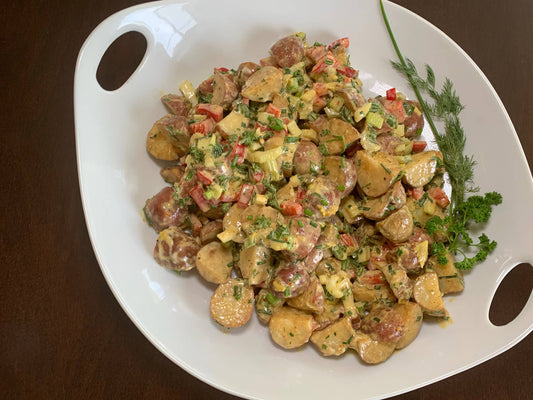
(427, 294)
(375, 172)
(215, 262)
(232, 303)
(291, 328)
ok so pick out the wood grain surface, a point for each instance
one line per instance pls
(62, 333)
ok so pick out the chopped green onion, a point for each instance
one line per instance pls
(237, 292)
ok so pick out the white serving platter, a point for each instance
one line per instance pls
(185, 41)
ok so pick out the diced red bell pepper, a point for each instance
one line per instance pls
(238, 150)
(204, 127)
(348, 71)
(343, 42)
(328, 60)
(395, 107)
(419, 146)
(274, 110)
(416, 193)
(391, 94)
(211, 110)
(246, 193)
(315, 53)
(220, 69)
(290, 208)
(320, 88)
(197, 194)
(258, 176)
(440, 197)
(347, 240)
(204, 177)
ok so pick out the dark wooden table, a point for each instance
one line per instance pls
(62, 333)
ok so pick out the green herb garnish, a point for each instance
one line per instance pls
(476, 209)
(237, 292)
(275, 123)
(446, 106)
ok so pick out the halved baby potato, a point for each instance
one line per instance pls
(232, 303)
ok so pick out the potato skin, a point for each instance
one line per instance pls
(305, 237)
(245, 70)
(341, 171)
(312, 299)
(307, 158)
(322, 198)
(289, 280)
(176, 250)
(232, 303)
(210, 231)
(384, 324)
(224, 89)
(177, 105)
(288, 51)
(214, 262)
(172, 174)
(162, 210)
(398, 226)
(412, 317)
(414, 123)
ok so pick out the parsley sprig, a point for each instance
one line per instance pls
(445, 105)
(476, 209)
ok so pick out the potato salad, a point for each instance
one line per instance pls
(298, 197)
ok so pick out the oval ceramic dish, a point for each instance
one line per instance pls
(185, 41)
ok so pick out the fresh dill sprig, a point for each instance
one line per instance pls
(445, 105)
